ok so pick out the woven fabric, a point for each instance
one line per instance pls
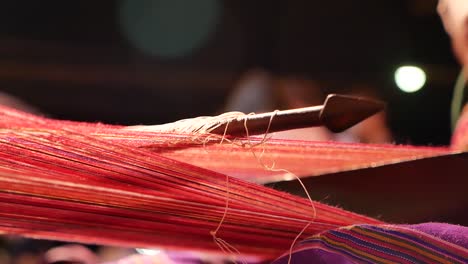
(425, 243)
(248, 159)
(61, 181)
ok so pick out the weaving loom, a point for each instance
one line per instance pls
(237, 187)
(102, 184)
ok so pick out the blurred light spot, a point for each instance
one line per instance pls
(149, 252)
(168, 28)
(410, 79)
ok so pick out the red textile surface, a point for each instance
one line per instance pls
(69, 181)
(303, 158)
(299, 157)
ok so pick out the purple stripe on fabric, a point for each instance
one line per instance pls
(312, 244)
(381, 242)
(441, 240)
(365, 250)
(375, 247)
(418, 241)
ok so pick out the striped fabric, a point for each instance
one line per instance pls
(382, 244)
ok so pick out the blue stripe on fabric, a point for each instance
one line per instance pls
(417, 240)
(376, 247)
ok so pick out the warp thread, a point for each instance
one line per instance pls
(64, 153)
(222, 244)
(225, 247)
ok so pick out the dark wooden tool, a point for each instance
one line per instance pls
(338, 113)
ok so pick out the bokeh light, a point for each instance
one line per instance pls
(410, 79)
(168, 28)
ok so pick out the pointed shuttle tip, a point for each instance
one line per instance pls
(341, 112)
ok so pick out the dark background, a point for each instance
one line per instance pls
(73, 60)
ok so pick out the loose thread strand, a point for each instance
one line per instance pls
(221, 243)
(271, 168)
(214, 233)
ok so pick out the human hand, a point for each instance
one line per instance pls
(454, 15)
